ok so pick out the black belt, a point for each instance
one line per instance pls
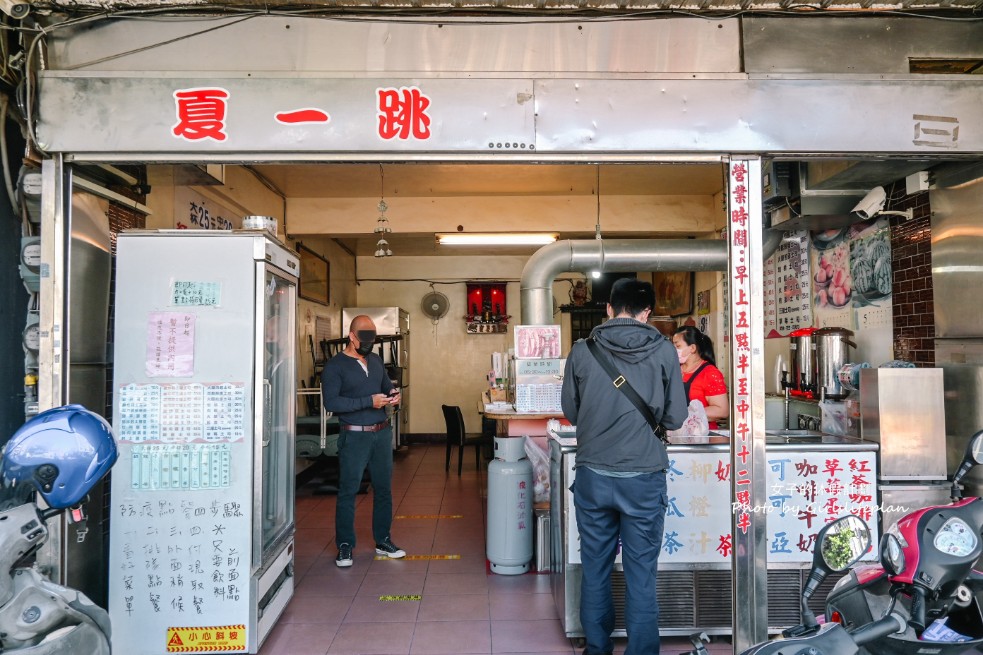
(365, 428)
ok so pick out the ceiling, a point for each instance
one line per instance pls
(474, 181)
(428, 180)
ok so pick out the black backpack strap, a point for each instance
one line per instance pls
(622, 385)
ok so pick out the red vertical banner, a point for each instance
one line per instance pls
(745, 271)
(738, 221)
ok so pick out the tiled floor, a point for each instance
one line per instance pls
(462, 607)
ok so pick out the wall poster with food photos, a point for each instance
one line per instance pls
(851, 279)
(788, 303)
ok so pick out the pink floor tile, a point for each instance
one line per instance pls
(456, 583)
(365, 638)
(520, 607)
(454, 607)
(526, 636)
(450, 638)
(370, 609)
(299, 639)
(317, 609)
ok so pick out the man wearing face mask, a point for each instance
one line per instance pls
(355, 387)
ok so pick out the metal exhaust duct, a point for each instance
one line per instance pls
(620, 256)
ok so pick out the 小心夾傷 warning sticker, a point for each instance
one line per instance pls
(208, 639)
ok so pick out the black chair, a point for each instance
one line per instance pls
(456, 436)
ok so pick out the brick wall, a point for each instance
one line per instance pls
(911, 264)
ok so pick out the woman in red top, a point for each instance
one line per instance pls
(701, 377)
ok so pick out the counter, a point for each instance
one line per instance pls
(513, 423)
(812, 478)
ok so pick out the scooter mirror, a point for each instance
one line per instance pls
(974, 451)
(973, 456)
(892, 555)
(843, 542)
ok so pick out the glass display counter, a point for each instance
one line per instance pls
(812, 479)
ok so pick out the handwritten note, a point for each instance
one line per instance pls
(191, 293)
(170, 345)
(178, 558)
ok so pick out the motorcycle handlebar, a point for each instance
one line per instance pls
(917, 619)
(880, 628)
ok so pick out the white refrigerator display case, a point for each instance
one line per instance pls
(202, 517)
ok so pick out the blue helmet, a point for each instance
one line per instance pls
(62, 452)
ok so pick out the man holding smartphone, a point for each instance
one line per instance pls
(355, 387)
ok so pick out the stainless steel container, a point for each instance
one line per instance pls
(832, 352)
(802, 351)
(903, 410)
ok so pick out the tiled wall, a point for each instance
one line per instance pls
(911, 263)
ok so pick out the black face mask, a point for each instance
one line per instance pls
(366, 339)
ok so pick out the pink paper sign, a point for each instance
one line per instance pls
(170, 345)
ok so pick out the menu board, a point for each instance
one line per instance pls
(787, 299)
(538, 385)
(805, 490)
(181, 413)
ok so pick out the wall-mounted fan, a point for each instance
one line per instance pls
(434, 305)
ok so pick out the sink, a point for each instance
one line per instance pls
(795, 435)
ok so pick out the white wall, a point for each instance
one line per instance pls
(447, 365)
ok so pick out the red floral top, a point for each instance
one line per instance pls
(710, 382)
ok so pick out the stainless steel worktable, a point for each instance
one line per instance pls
(812, 478)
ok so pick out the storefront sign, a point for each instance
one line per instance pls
(282, 114)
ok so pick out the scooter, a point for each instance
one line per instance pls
(59, 455)
(926, 575)
(839, 545)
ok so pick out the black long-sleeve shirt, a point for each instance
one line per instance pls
(347, 390)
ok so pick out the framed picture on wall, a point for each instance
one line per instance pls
(314, 276)
(673, 293)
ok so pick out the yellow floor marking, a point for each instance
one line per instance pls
(400, 597)
(419, 557)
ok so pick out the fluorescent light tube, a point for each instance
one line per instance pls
(495, 239)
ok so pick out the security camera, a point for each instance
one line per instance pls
(16, 9)
(872, 203)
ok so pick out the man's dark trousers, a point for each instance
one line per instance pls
(356, 450)
(633, 508)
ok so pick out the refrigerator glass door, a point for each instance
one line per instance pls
(277, 504)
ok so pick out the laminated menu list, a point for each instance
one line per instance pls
(181, 413)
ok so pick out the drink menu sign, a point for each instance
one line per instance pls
(805, 491)
(788, 302)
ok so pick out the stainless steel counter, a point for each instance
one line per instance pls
(811, 477)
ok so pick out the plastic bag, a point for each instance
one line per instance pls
(834, 418)
(540, 471)
(696, 424)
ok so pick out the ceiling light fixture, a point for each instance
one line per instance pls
(496, 238)
(382, 223)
